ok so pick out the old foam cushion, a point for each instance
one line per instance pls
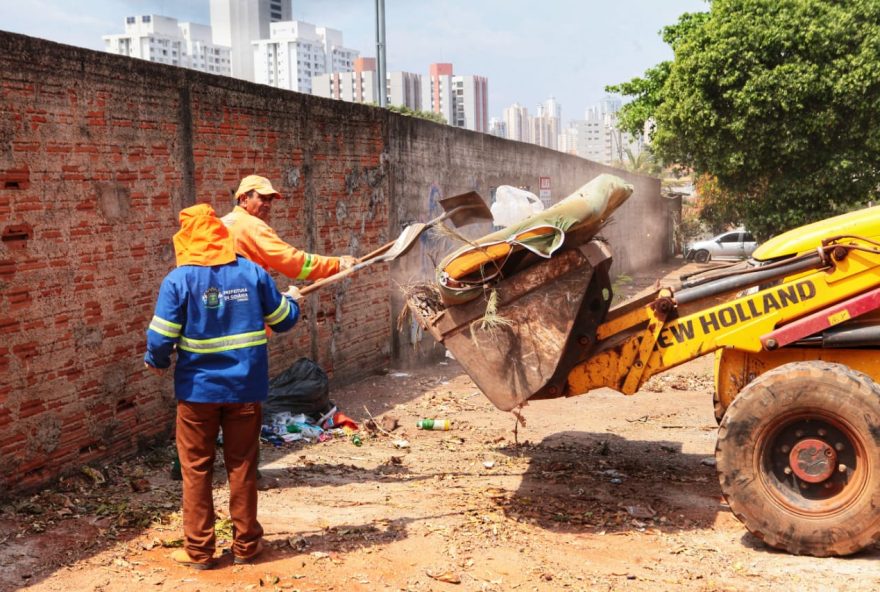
(462, 274)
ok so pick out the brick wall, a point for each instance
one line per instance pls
(98, 153)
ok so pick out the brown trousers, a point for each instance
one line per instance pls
(197, 428)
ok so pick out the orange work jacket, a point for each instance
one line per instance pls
(257, 241)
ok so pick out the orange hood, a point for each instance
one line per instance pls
(202, 238)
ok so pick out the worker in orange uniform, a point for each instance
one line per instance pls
(257, 241)
(254, 239)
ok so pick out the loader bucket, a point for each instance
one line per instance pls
(545, 322)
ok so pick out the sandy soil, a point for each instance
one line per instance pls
(598, 492)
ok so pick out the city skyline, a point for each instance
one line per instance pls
(568, 50)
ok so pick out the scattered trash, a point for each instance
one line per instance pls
(613, 473)
(280, 424)
(270, 437)
(303, 387)
(339, 420)
(401, 443)
(449, 355)
(616, 481)
(356, 440)
(327, 415)
(399, 375)
(489, 464)
(709, 462)
(642, 512)
(434, 424)
(513, 204)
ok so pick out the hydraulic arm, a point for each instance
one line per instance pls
(838, 282)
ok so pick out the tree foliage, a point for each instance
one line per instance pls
(717, 208)
(641, 161)
(429, 115)
(777, 100)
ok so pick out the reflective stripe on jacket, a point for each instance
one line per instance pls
(257, 241)
(216, 317)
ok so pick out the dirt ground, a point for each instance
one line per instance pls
(598, 492)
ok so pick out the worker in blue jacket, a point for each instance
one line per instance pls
(214, 309)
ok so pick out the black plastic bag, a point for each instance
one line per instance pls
(302, 388)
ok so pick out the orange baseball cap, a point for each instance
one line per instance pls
(256, 183)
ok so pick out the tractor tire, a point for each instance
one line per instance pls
(702, 256)
(717, 407)
(798, 458)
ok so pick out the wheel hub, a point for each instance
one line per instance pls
(812, 460)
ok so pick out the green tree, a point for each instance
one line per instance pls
(429, 115)
(717, 208)
(642, 161)
(778, 100)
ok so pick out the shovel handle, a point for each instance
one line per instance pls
(377, 252)
(371, 257)
(337, 277)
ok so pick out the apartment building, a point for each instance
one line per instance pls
(296, 52)
(516, 120)
(437, 91)
(361, 85)
(462, 100)
(164, 40)
(237, 23)
(497, 127)
(598, 137)
(471, 103)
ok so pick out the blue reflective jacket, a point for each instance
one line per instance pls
(216, 317)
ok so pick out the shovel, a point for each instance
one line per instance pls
(461, 210)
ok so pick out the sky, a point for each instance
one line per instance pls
(529, 50)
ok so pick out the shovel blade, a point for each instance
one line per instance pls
(466, 208)
(404, 242)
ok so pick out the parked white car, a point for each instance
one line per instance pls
(735, 244)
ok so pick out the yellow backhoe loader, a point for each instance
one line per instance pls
(796, 332)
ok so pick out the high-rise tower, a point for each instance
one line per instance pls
(237, 23)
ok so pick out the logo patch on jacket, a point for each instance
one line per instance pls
(211, 298)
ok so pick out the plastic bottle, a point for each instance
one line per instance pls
(176, 475)
(356, 439)
(434, 424)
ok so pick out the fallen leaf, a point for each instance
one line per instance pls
(447, 576)
(388, 423)
(269, 580)
(297, 543)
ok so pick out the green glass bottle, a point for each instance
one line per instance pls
(176, 474)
